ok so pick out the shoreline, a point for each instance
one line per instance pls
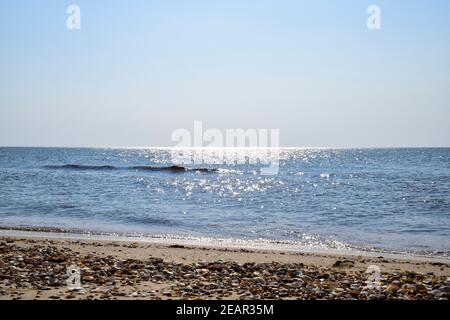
(35, 267)
(58, 233)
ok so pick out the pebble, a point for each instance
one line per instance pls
(392, 288)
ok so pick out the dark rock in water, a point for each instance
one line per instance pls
(176, 168)
(183, 169)
(173, 168)
(202, 170)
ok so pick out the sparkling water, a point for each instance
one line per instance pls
(390, 199)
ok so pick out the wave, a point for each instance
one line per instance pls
(81, 167)
(149, 221)
(138, 168)
(171, 168)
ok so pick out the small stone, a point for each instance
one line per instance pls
(215, 266)
(354, 293)
(392, 288)
(444, 289)
(202, 271)
(53, 282)
(87, 278)
(259, 280)
(344, 263)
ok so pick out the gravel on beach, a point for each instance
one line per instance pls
(40, 271)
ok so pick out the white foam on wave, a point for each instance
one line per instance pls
(326, 175)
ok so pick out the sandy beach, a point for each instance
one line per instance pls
(37, 268)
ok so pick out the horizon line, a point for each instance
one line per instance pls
(228, 148)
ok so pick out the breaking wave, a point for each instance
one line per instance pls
(141, 168)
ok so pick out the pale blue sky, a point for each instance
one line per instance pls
(137, 70)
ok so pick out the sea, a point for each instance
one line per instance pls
(391, 200)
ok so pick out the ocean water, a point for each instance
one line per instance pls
(388, 199)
